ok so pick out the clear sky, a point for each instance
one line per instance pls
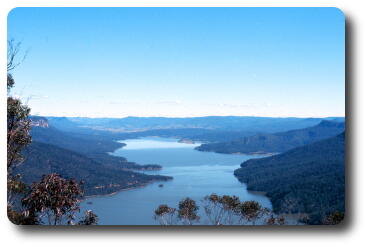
(117, 62)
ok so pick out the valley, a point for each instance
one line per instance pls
(173, 163)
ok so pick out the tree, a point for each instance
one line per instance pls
(18, 123)
(19, 218)
(276, 220)
(18, 137)
(251, 211)
(187, 211)
(90, 218)
(13, 55)
(165, 215)
(55, 198)
(220, 210)
(229, 210)
(334, 218)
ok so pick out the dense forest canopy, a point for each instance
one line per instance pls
(309, 179)
(98, 178)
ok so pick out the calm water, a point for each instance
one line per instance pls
(196, 174)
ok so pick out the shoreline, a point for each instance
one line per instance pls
(114, 193)
(141, 168)
(242, 153)
(128, 188)
(255, 192)
(142, 185)
(185, 141)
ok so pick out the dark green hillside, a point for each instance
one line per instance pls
(95, 146)
(85, 144)
(98, 178)
(277, 142)
(308, 179)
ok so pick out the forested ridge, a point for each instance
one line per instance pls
(82, 143)
(95, 146)
(309, 179)
(98, 178)
(277, 142)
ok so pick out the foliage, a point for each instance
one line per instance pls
(187, 211)
(18, 137)
(10, 81)
(251, 211)
(219, 210)
(16, 188)
(18, 131)
(307, 179)
(229, 210)
(165, 215)
(274, 220)
(54, 197)
(334, 218)
(90, 218)
(22, 218)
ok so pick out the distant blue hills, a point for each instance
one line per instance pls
(207, 129)
(277, 142)
(209, 122)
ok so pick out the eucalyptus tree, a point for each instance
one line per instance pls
(54, 197)
(165, 215)
(188, 211)
(218, 210)
(18, 137)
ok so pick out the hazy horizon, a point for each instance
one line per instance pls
(132, 116)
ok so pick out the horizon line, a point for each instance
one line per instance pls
(183, 117)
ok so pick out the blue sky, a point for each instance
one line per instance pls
(116, 62)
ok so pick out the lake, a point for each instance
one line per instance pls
(196, 174)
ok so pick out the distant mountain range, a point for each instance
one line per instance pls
(309, 179)
(204, 129)
(277, 142)
(233, 123)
